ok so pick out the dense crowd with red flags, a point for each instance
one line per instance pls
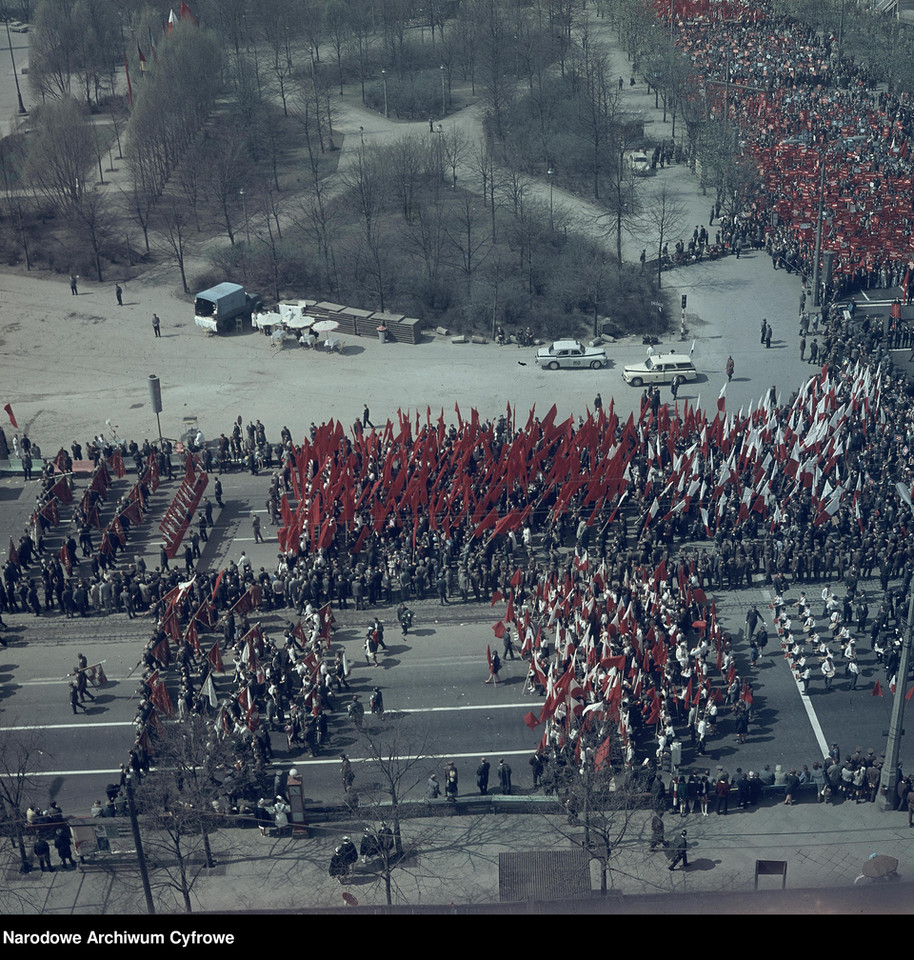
(621, 637)
(816, 126)
(604, 535)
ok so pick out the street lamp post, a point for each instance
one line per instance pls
(138, 842)
(888, 782)
(384, 81)
(9, 40)
(817, 298)
(550, 173)
(244, 207)
(443, 97)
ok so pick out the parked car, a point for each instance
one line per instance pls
(638, 163)
(660, 369)
(571, 353)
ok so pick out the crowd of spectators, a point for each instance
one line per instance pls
(808, 116)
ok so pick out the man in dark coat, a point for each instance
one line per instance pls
(504, 776)
(682, 851)
(62, 843)
(43, 852)
(657, 832)
(482, 776)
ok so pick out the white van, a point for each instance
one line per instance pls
(660, 369)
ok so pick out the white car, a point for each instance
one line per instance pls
(638, 163)
(571, 353)
(660, 368)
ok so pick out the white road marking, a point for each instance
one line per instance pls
(807, 704)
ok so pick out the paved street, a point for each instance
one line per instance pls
(436, 675)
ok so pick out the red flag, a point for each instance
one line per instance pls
(215, 658)
(601, 756)
(532, 720)
(498, 629)
(14, 553)
(187, 15)
(877, 689)
(9, 412)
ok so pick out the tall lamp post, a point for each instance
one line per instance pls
(888, 782)
(384, 81)
(244, 208)
(9, 40)
(443, 97)
(550, 173)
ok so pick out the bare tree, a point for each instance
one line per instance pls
(365, 181)
(663, 217)
(60, 154)
(605, 803)
(400, 755)
(21, 757)
(92, 218)
(174, 225)
(12, 157)
(177, 799)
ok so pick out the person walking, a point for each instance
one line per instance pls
(255, 526)
(119, 293)
(356, 711)
(371, 648)
(156, 325)
(814, 350)
(346, 774)
(366, 422)
(764, 329)
(768, 337)
(73, 281)
(730, 368)
(74, 699)
(657, 839)
(82, 686)
(494, 667)
(682, 852)
(854, 672)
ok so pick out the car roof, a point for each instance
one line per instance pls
(671, 357)
(664, 358)
(567, 345)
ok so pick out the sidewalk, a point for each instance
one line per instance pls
(455, 863)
